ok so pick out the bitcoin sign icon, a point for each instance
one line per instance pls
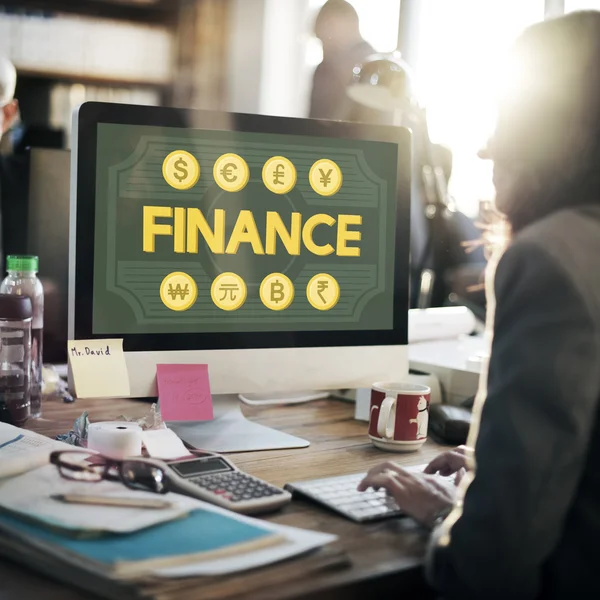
(323, 291)
(228, 291)
(276, 291)
(181, 170)
(325, 177)
(178, 291)
(231, 172)
(279, 175)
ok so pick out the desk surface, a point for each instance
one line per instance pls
(385, 554)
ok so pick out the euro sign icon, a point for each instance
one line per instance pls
(180, 166)
(322, 285)
(227, 174)
(277, 294)
(278, 175)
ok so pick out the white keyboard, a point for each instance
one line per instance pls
(340, 494)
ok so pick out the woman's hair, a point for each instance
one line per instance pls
(547, 138)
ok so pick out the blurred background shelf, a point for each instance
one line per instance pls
(139, 11)
(83, 78)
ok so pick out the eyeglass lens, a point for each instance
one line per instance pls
(81, 466)
(140, 475)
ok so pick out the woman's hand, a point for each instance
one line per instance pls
(419, 495)
(448, 463)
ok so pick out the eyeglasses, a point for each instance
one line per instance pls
(136, 473)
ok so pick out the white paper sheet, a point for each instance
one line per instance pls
(299, 542)
(30, 494)
(440, 323)
(22, 450)
(164, 444)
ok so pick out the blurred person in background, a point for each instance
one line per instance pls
(11, 174)
(524, 521)
(9, 113)
(337, 27)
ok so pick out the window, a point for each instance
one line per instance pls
(573, 5)
(459, 49)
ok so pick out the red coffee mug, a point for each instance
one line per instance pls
(399, 416)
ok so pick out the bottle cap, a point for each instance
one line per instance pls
(22, 263)
(15, 308)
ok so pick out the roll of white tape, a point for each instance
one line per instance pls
(115, 439)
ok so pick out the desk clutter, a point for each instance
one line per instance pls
(74, 518)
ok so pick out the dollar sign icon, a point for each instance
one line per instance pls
(276, 291)
(180, 166)
(181, 170)
(277, 294)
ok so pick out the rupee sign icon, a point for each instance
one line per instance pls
(321, 287)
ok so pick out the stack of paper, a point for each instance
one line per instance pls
(203, 535)
(107, 549)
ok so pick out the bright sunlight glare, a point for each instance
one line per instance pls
(462, 46)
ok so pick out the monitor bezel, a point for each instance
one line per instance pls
(86, 120)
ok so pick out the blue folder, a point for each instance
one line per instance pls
(202, 531)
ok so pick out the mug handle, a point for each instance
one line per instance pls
(385, 429)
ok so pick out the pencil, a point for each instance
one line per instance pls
(111, 501)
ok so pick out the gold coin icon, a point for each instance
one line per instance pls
(325, 177)
(279, 175)
(181, 170)
(178, 291)
(323, 291)
(228, 291)
(276, 291)
(231, 172)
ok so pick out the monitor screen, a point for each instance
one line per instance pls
(215, 231)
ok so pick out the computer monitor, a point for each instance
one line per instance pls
(274, 250)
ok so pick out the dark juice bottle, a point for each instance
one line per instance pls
(15, 358)
(22, 280)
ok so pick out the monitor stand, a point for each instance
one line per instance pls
(230, 431)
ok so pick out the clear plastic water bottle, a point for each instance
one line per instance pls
(22, 280)
(15, 358)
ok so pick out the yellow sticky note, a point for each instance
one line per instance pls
(98, 368)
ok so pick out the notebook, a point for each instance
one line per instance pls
(202, 535)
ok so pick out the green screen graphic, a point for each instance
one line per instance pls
(202, 231)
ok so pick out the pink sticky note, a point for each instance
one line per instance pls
(184, 392)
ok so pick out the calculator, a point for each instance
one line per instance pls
(213, 478)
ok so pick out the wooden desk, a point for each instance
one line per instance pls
(366, 559)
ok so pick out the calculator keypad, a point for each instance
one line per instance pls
(236, 486)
